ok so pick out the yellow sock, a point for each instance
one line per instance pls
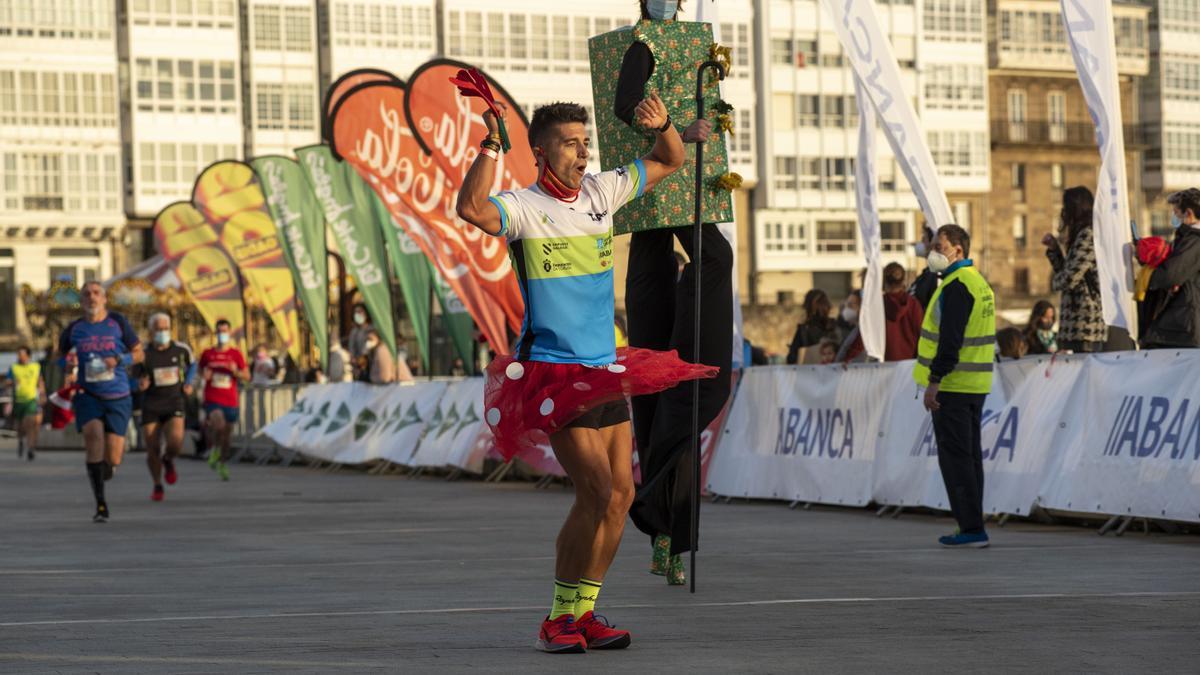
(585, 597)
(564, 599)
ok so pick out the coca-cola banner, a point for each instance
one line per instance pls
(414, 144)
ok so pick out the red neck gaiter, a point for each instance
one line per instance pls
(553, 186)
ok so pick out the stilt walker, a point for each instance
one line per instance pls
(664, 56)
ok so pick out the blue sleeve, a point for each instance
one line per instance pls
(191, 373)
(503, 215)
(64, 342)
(128, 336)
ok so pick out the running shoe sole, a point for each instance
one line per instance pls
(619, 642)
(974, 544)
(99, 518)
(570, 648)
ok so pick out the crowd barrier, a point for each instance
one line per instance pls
(1113, 434)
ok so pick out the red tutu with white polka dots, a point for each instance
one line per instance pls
(524, 401)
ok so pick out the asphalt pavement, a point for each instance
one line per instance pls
(294, 570)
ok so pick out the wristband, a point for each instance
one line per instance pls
(490, 145)
(490, 152)
(666, 125)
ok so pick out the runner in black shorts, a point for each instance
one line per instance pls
(164, 379)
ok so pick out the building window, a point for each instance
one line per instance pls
(1021, 280)
(836, 237)
(833, 111)
(954, 20)
(781, 52)
(808, 110)
(1020, 227)
(785, 173)
(301, 107)
(266, 28)
(810, 173)
(781, 237)
(1057, 176)
(838, 173)
(1056, 108)
(955, 87)
(1017, 115)
(893, 238)
(297, 25)
(962, 214)
(42, 173)
(269, 105)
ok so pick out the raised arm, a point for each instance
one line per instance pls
(666, 156)
(473, 205)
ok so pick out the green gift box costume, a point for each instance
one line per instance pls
(679, 47)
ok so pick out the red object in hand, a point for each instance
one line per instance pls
(1152, 251)
(471, 82)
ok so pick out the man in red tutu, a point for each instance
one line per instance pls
(567, 378)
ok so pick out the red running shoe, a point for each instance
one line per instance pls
(159, 493)
(170, 475)
(561, 636)
(600, 634)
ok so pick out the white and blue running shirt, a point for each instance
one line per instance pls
(563, 255)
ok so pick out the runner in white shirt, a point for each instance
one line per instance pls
(567, 378)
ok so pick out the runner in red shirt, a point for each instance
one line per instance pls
(221, 367)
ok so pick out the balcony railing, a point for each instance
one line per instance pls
(1040, 132)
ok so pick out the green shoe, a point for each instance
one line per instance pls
(676, 575)
(214, 457)
(223, 470)
(662, 551)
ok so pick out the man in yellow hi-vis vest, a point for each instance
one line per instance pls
(955, 359)
(29, 392)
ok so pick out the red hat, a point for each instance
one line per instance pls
(1152, 251)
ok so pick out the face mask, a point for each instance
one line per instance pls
(163, 337)
(938, 262)
(849, 314)
(921, 249)
(1176, 221)
(360, 318)
(222, 339)
(661, 10)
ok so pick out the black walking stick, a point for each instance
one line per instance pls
(696, 261)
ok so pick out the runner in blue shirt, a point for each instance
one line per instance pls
(106, 345)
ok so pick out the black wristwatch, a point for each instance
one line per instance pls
(666, 125)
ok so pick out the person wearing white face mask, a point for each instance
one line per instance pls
(1175, 321)
(356, 342)
(164, 379)
(223, 369)
(927, 281)
(955, 360)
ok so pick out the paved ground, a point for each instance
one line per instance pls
(293, 570)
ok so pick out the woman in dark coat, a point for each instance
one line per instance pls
(817, 325)
(1082, 327)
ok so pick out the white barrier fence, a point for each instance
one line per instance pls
(428, 424)
(1115, 434)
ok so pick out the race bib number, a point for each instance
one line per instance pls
(222, 381)
(166, 377)
(97, 371)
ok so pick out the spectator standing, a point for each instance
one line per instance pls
(1176, 322)
(339, 361)
(851, 342)
(1040, 336)
(264, 368)
(382, 368)
(357, 340)
(927, 281)
(1082, 328)
(817, 325)
(903, 313)
(956, 357)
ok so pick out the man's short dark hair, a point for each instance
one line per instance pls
(957, 236)
(1186, 200)
(223, 322)
(26, 349)
(552, 115)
